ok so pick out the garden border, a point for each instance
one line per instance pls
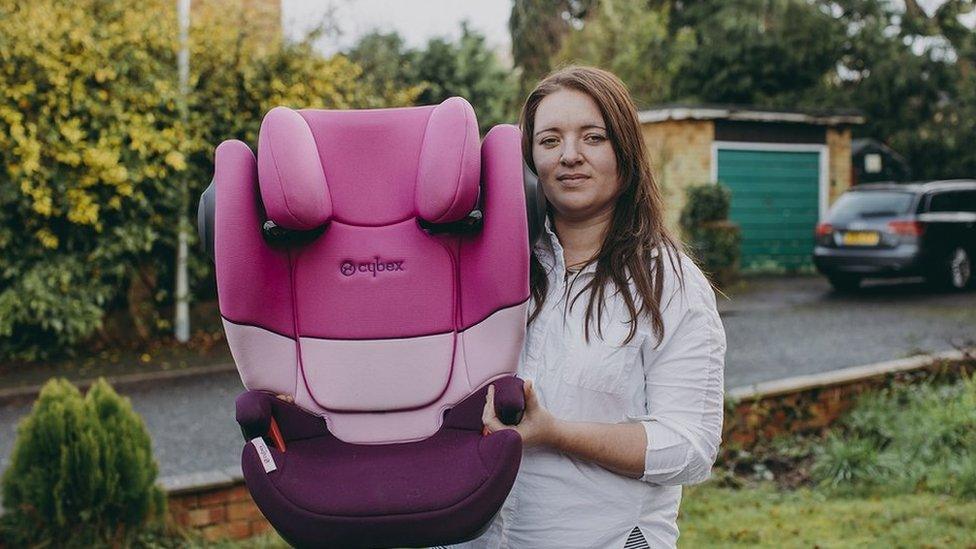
(217, 505)
(809, 405)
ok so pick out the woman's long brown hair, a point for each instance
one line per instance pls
(637, 227)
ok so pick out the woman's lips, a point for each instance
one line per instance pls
(574, 181)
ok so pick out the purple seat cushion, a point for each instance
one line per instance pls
(326, 492)
(327, 476)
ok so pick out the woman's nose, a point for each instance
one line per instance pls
(570, 155)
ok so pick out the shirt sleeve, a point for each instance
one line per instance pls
(684, 384)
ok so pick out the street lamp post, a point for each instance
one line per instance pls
(182, 320)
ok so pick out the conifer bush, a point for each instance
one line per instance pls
(82, 472)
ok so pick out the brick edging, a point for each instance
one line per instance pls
(218, 506)
(796, 384)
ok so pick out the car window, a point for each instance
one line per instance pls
(866, 204)
(968, 201)
(953, 201)
(945, 202)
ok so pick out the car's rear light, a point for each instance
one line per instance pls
(824, 229)
(906, 227)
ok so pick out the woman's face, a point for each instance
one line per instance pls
(573, 155)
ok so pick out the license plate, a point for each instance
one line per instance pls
(861, 238)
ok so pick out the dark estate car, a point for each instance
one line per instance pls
(896, 230)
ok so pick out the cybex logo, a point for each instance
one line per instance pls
(349, 268)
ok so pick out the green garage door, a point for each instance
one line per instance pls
(775, 197)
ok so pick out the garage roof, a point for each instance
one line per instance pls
(679, 111)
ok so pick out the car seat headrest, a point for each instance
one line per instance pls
(292, 181)
(449, 167)
(379, 172)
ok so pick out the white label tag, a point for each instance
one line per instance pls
(264, 454)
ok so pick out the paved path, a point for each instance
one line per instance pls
(787, 327)
(776, 328)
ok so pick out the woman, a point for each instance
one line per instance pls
(624, 352)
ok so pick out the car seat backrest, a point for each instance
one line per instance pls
(372, 321)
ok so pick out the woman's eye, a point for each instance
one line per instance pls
(548, 142)
(594, 138)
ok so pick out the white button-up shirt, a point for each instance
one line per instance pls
(674, 389)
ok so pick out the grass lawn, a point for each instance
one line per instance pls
(765, 516)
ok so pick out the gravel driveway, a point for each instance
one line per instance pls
(776, 327)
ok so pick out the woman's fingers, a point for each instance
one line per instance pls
(488, 416)
(530, 399)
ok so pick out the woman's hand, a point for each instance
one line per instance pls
(618, 447)
(538, 426)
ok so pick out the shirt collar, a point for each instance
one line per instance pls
(555, 248)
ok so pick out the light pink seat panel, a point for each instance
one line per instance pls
(376, 325)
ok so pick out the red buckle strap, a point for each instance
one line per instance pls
(275, 433)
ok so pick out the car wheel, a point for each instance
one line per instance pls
(954, 272)
(845, 282)
(960, 269)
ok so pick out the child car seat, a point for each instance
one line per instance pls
(373, 265)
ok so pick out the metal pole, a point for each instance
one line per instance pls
(182, 321)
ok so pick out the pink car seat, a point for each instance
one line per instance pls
(373, 264)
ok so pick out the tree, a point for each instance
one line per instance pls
(443, 68)
(911, 71)
(466, 68)
(913, 82)
(387, 68)
(538, 28)
(761, 52)
(635, 43)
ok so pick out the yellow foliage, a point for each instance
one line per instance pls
(176, 160)
(47, 239)
(82, 209)
(92, 141)
(42, 202)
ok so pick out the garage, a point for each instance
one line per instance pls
(784, 169)
(776, 201)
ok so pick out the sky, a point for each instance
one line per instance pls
(416, 20)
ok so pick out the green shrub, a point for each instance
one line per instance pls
(714, 240)
(93, 149)
(82, 471)
(706, 202)
(846, 462)
(905, 439)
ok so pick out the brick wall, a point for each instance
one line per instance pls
(814, 409)
(839, 145)
(219, 512)
(681, 156)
